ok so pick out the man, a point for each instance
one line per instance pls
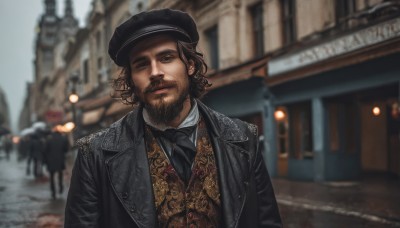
(172, 161)
(54, 159)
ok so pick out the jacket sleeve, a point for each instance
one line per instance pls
(268, 212)
(82, 208)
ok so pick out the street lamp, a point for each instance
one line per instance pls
(73, 97)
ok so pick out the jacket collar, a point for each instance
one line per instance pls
(220, 125)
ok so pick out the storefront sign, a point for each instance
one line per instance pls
(339, 46)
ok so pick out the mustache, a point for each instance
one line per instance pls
(159, 84)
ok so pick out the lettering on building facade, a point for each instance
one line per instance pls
(339, 46)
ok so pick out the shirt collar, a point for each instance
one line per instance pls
(191, 120)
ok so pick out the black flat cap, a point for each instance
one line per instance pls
(180, 24)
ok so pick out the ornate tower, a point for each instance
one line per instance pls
(69, 24)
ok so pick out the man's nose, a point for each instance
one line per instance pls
(156, 71)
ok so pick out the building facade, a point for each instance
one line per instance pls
(318, 77)
(53, 35)
(333, 91)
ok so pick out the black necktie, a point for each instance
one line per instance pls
(183, 150)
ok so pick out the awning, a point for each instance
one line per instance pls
(92, 116)
(91, 103)
(242, 72)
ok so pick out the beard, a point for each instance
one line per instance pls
(161, 111)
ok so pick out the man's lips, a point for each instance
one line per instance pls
(159, 89)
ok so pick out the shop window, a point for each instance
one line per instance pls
(281, 118)
(289, 21)
(301, 131)
(212, 38)
(342, 119)
(333, 116)
(258, 29)
(350, 126)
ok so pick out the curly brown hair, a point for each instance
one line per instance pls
(198, 83)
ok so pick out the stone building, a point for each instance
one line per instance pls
(4, 110)
(332, 95)
(318, 77)
(48, 89)
(25, 119)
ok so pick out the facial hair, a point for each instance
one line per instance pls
(161, 111)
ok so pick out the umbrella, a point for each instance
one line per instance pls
(4, 131)
(39, 125)
(27, 131)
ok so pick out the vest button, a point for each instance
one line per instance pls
(239, 196)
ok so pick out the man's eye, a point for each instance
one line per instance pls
(167, 58)
(139, 65)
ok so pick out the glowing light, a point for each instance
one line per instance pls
(376, 111)
(279, 115)
(15, 139)
(73, 98)
(68, 127)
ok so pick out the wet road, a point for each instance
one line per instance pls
(25, 202)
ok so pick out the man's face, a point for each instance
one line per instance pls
(160, 77)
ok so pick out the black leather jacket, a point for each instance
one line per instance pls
(111, 184)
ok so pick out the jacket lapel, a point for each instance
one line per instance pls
(128, 169)
(232, 162)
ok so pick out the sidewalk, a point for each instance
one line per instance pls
(376, 199)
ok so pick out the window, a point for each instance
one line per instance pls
(99, 69)
(258, 29)
(282, 126)
(98, 40)
(289, 21)
(212, 38)
(47, 55)
(86, 71)
(344, 8)
(301, 131)
(342, 126)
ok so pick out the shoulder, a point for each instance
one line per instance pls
(89, 143)
(110, 135)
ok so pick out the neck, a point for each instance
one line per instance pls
(182, 114)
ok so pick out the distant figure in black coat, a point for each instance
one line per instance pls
(54, 158)
(37, 146)
(8, 145)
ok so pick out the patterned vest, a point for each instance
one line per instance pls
(178, 205)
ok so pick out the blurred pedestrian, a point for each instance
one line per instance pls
(54, 157)
(37, 146)
(7, 144)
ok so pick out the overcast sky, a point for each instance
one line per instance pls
(18, 19)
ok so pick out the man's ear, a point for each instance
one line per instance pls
(191, 68)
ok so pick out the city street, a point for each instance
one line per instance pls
(26, 202)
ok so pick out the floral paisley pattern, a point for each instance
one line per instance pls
(178, 205)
